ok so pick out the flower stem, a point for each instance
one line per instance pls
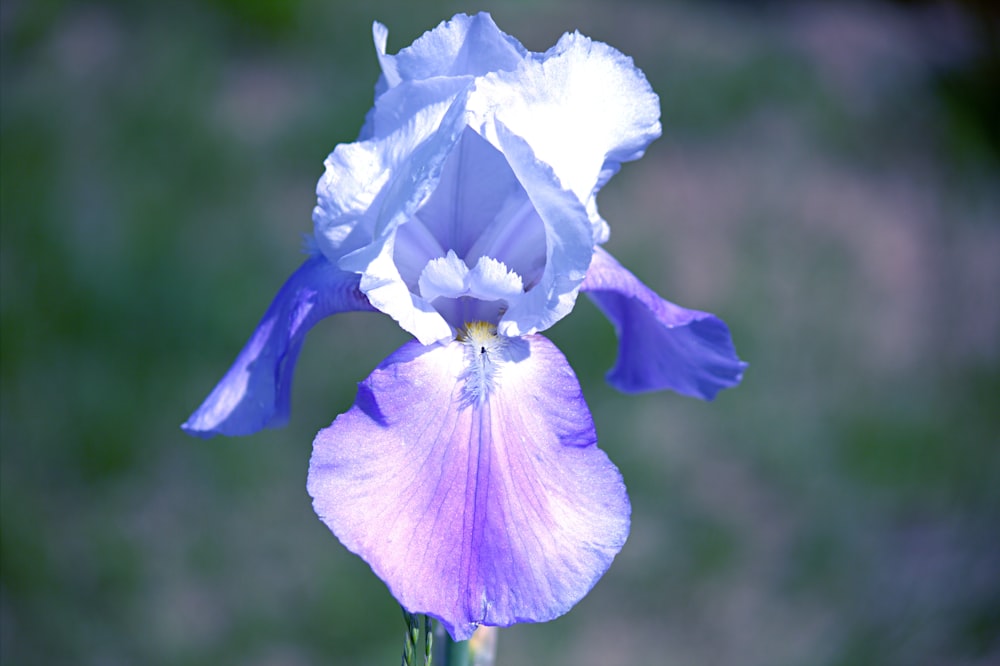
(428, 641)
(441, 650)
(480, 650)
(411, 643)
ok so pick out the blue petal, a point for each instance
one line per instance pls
(370, 184)
(255, 392)
(661, 345)
(413, 159)
(455, 190)
(463, 46)
(474, 511)
(398, 107)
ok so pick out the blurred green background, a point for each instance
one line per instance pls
(827, 183)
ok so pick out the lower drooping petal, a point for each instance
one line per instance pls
(490, 511)
(255, 392)
(660, 345)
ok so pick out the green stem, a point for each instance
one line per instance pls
(411, 640)
(428, 641)
(440, 650)
(480, 650)
(411, 643)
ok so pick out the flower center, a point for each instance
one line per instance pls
(484, 352)
(477, 244)
(462, 294)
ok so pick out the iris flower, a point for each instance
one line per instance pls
(467, 473)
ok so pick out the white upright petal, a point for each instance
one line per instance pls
(465, 45)
(446, 276)
(491, 280)
(479, 148)
(583, 107)
(416, 163)
(380, 35)
(568, 242)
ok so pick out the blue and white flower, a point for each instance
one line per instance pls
(467, 472)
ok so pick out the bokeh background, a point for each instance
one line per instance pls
(827, 183)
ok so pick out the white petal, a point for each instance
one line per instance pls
(369, 183)
(491, 280)
(583, 107)
(446, 276)
(568, 242)
(465, 45)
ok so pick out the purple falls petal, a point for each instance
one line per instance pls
(491, 511)
(660, 345)
(256, 390)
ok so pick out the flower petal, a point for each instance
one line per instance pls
(490, 511)
(660, 345)
(445, 276)
(416, 157)
(463, 46)
(491, 280)
(396, 107)
(255, 392)
(367, 183)
(496, 175)
(459, 49)
(568, 242)
(583, 107)
(449, 277)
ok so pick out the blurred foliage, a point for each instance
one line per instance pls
(826, 183)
